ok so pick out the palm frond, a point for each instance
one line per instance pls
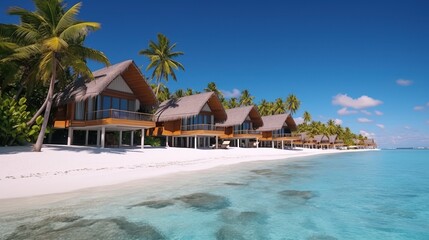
(76, 30)
(69, 18)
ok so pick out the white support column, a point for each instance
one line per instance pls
(132, 139)
(272, 144)
(86, 137)
(70, 137)
(283, 144)
(166, 141)
(257, 143)
(187, 142)
(103, 136)
(238, 143)
(196, 142)
(120, 138)
(142, 146)
(217, 141)
(291, 144)
(98, 138)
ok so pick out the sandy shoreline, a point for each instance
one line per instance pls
(59, 169)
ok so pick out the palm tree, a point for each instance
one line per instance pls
(292, 104)
(179, 93)
(307, 117)
(161, 56)
(211, 87)
(264, 107)
(246, 99)
(331, 127)
(55, 36)
(189, 92)
(278, 107)
(232, 103)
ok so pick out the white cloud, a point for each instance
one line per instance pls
(418, 108)
(358, 103)
(378, 113)
(364, 120)
(366, 134)
(427, 104)
(365, 112)
(345, 111)
(407, 127)
(299, 120)
(235, 93)
(380, 125)
(338, 121)
(404, 82)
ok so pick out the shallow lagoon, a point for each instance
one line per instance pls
(366, 195)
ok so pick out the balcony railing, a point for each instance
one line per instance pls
(210, 127)
(246, 132)
(277, 135)
(118, 114)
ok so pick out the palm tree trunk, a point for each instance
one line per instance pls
(33, 119)
(38, 146)
(157, 89)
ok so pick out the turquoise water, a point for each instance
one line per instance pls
(367, 195)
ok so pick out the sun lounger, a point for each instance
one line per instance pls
(224, 145)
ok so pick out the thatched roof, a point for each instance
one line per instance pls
(236, 116)
(83, 89)
(275, 122)
(321, 138)
(189, 106)
(369, 141)
(332, 138)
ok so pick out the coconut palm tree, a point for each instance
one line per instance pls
(179, 93)
(189, 92)
(278, 107)
(55, 36)
(211, 87)
(264, 107)
(331, 127)
(292, 104)
(233, 103)
(161, 56)
(307, 117)
(246, 99)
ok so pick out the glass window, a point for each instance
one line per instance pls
(115, 103)
(124, 104)
(106, 105)
(131, 105)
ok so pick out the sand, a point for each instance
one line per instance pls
(59, 168)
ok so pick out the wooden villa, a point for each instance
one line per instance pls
(277, 129)
(241, 125)
(190, 121)
(118, 100)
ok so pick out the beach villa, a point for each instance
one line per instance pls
(117, 102)
(240, 126)
(190, 121)
(277, 129)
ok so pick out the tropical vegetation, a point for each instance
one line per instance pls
(51, 39)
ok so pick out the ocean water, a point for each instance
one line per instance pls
(365, 195)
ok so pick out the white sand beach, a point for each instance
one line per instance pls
(58, 168)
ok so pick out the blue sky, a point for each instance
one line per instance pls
(365, 63)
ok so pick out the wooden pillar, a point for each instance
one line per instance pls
(120, 138)
(103, 136)
(70, 137)
(142, 145)
(98, 138)
(86, 137)
(132, 139)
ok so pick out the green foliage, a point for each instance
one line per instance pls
(13, 126)
(153, 141)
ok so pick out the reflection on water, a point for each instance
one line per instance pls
(342, 196)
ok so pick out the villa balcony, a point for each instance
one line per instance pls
(287, 136)
(201, 129)
(109, 117)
